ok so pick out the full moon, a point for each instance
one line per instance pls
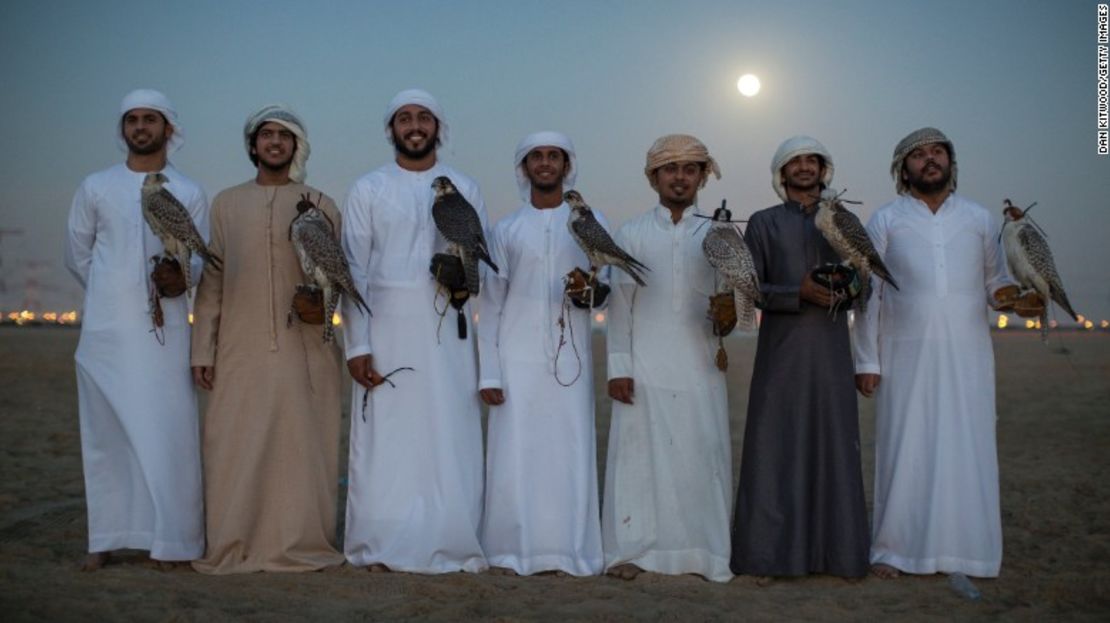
(748, 85)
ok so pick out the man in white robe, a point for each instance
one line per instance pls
(668, 480)
(137, 408)
(936, 506)
(414, 498)
(541, 511)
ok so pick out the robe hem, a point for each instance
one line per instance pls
(939, 564)
(539, 564)
(159, 550)
(679, 562)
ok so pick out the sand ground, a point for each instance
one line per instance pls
(1054, 453)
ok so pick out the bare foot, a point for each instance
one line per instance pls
(502, 571)
(885, 572)
(627, 571)
(94, 561)
(378, 568)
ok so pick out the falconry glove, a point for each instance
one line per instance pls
(168, 278)
(580, 289)
(449, 273)
(308, 304)
(842, 281)
(722, 313)
(1010, 299)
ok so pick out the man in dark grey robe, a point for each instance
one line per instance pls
(799, 506)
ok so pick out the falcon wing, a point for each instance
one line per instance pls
(1040, 258)
(590, 232)
(725, 251)
(855, 235)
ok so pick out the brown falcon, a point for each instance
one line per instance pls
(457, 220)
(596, 243)
(848, 237)
(1031, 262)
(725, 251)
(322, 260)
(170, 221)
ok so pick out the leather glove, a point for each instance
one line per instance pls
(308, 304)
(843, 281)
(1010, 299)
(722, 313)
(448, 271)
(168, 278)
(579, 286)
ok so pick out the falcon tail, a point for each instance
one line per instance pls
(745, 310)
(211, 258)
(633, 268)
(470, 270)
(483, 254)
(881, 272)
(1062, 300)
(357, 298)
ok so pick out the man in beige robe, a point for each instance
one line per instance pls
(271, 429)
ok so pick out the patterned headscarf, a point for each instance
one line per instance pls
(154, 100)
(420, 98)
(284, 116)
(792, 148)
(543, 139)
(916, 139)
(679, 148)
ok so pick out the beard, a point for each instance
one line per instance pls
(918, 183)
(156, 144)
(415, 154)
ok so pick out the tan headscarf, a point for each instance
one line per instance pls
(916, 139)
(679, 148)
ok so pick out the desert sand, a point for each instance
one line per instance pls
(1054, 454)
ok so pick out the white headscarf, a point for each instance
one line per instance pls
(154, 100)
(543, 139)
(284, 116)
(792, 148)
(420, 98)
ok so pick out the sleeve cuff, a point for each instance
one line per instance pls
(489, 384)
(358, 351)
(620, 365)
(867, 368)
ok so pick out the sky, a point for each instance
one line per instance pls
(1012, 84)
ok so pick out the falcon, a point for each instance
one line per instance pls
(322, 260)
(596, 243)
(1030, 260)
(457, 220)
(848, 237)
(170, 221)
(725, 251)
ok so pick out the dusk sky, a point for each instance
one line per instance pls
(1013, 84)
